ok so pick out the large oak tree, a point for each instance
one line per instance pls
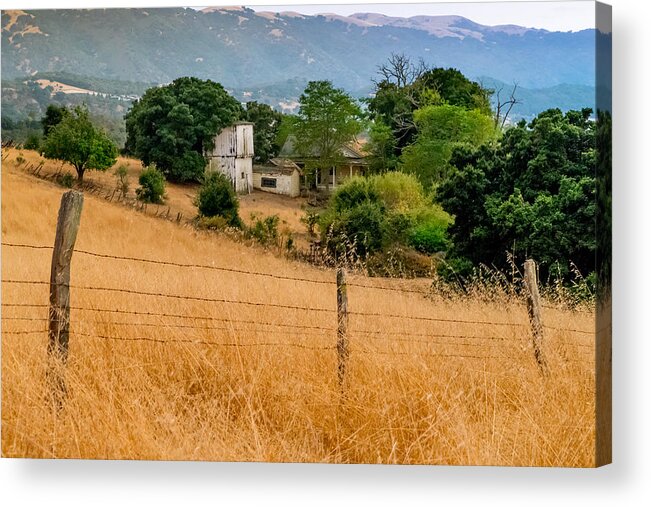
(173, 126)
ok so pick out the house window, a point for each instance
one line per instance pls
(269, 182)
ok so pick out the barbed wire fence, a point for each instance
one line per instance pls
(58, 322)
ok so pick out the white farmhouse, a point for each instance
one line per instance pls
(232, 155)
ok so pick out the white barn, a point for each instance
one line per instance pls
(232, 155)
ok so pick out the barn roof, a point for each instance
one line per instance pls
(278, 165)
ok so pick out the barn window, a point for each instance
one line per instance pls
(269, 182)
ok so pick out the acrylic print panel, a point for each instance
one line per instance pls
(376, 235)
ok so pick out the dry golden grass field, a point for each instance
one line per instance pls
(236, 374)
(179, 198)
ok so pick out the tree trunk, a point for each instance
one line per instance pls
(80, 173)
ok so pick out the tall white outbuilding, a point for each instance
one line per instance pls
(232, 155)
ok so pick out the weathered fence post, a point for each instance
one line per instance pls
(533, 308)
(59, 313)
(342, 325)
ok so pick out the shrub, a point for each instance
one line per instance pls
(122, 180)
(66, 180)
(20, 159)
(399, 191)
(310, 220)
(152, 185)
(264, 230)
(361, 229)
(216, 223)
(33, 142)
(428, 238)
(216, 197)
(353, 192)
(429, 233)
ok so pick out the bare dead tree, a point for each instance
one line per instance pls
(503, 108)
(401, 71)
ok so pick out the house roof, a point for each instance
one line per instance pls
(278, 165)
(352, 150)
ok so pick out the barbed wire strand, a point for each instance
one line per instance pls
(172, 296)
(177, 264)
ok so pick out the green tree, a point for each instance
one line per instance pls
(266, 124)
(531, 194)
(152, 185)
(327, 120)
(381, 148)
(441, 129)
(174, 125)
(53, 116)
(77, 141)
(406, 86)
(216, 197)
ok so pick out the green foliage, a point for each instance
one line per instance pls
(33, 142)
(381, 148)
(310, 219)
(441, 129)
(285, 129)
(429, 231)
(381, 212)
(77, 141)
(361, 229)
(327, 120)
(53, 116)
(264, 230)
(152, 185)
(121, 174)
(532, 194)
(66, 180)
(454, 89)
(406, 88)
(604, 203)
(216, 197)
(172, 126)
(399, 191)
(266, 124)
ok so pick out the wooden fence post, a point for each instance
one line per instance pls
(342, 325)
(59, 313)
(533, 308)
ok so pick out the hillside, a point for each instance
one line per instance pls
(118, 53)
(228, 353)
(245, 49)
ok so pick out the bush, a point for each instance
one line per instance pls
(399, 191)
(215, 223)
(122, 180)
(216, 197)
(264, 230)
(360, 230)
(66, 180)
(20, 159)
(428, 238)
(429, 233)
(33, 142)
(310, 220)
(152, 185)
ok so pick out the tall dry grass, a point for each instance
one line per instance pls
(409, 397)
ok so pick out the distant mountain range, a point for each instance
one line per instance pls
(270, 56)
